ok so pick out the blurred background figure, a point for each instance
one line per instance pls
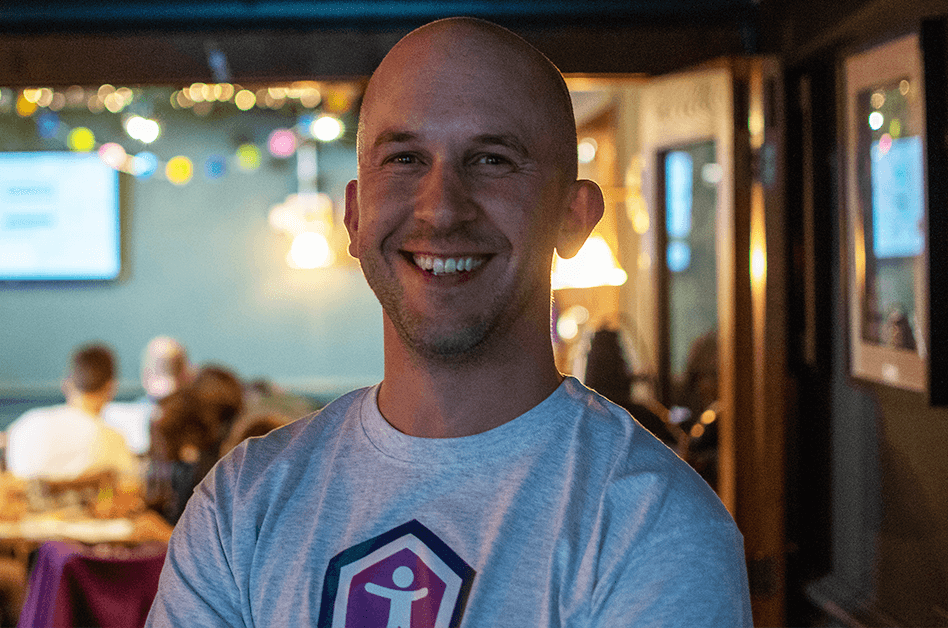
(609, 374)
(249, 426)
(71, 441)
(698, 394)
(261, 396)
(221, 393)
(164, 369)
(183, 448)
(187, 432)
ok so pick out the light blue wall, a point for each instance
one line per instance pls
(204, 266)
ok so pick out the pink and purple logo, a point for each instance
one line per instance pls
(404, 578)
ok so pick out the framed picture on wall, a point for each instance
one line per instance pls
(886, 214)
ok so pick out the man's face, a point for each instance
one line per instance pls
(459, 198)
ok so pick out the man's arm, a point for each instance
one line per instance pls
(197, 586)
(690, 577)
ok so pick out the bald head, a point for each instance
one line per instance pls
(466, 58)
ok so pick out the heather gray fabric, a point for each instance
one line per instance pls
(570, 515)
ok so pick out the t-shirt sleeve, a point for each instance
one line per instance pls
(197, 587)
(672, 556)
(693, 578)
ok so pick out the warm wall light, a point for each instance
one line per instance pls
(309, 250)
(594, 265)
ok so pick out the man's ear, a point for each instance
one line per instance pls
(584, 211)
(351, 218)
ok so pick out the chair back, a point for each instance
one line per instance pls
(74, 585)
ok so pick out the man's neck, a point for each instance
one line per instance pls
(90, 404)
(432, 398)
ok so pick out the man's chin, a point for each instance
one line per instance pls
(446, 346)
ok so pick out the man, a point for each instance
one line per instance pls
(475, 486)
(71, 441)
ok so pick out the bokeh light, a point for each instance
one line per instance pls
(45, 97)
(712, 173)
(570, 321)
(24, 107)
(75, 96)
(113, 155)
(58, 101)
(196, 92)
(282, 143)
(47, 125)
(80, 139)
(304, 124)
(142, 129)
(144, 165)
(179, 170)
(885, 144)
(895, 128)
(309, 250)
(245, 100)
(876, 120)
(586, 150)
(877, 100)
(248, 157)
(215, 167)
(326, 128)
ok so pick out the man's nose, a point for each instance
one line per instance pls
(444, 198)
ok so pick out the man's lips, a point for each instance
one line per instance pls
(442, 265)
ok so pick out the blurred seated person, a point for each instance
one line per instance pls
(222, 394)
(262, 396)
(251, 425)
(698, 393)
(164, 369)
(608, 373)
(897, 331)
(71, 444)
(184, 447)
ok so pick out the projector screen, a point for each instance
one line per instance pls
(59, 217)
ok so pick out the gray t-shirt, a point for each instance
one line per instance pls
(570, 515)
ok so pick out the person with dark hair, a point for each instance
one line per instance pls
(184, 447)
(69, 441)
(221, 392)
(608, 373)
(475, 485)
(250, 426)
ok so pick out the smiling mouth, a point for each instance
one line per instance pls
(447, 265)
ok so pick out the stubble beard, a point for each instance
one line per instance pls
(424, 339)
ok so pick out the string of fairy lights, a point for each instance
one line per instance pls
(317, 110)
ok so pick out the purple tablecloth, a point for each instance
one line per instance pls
(74, 585)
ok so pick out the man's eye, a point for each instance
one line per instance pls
(492, 160)
(403, 159)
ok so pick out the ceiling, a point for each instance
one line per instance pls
(172, 41)
(99, 15)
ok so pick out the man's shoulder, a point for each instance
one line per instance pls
(39, 417)
(642, 473)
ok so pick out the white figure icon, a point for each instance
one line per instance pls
(399, 613)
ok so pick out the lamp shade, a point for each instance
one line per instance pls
(594, 265)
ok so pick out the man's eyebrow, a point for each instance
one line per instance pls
(393, 137)
(506, 140)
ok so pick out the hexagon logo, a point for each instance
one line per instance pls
(404, 578)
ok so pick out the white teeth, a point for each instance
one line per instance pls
(446, 265)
